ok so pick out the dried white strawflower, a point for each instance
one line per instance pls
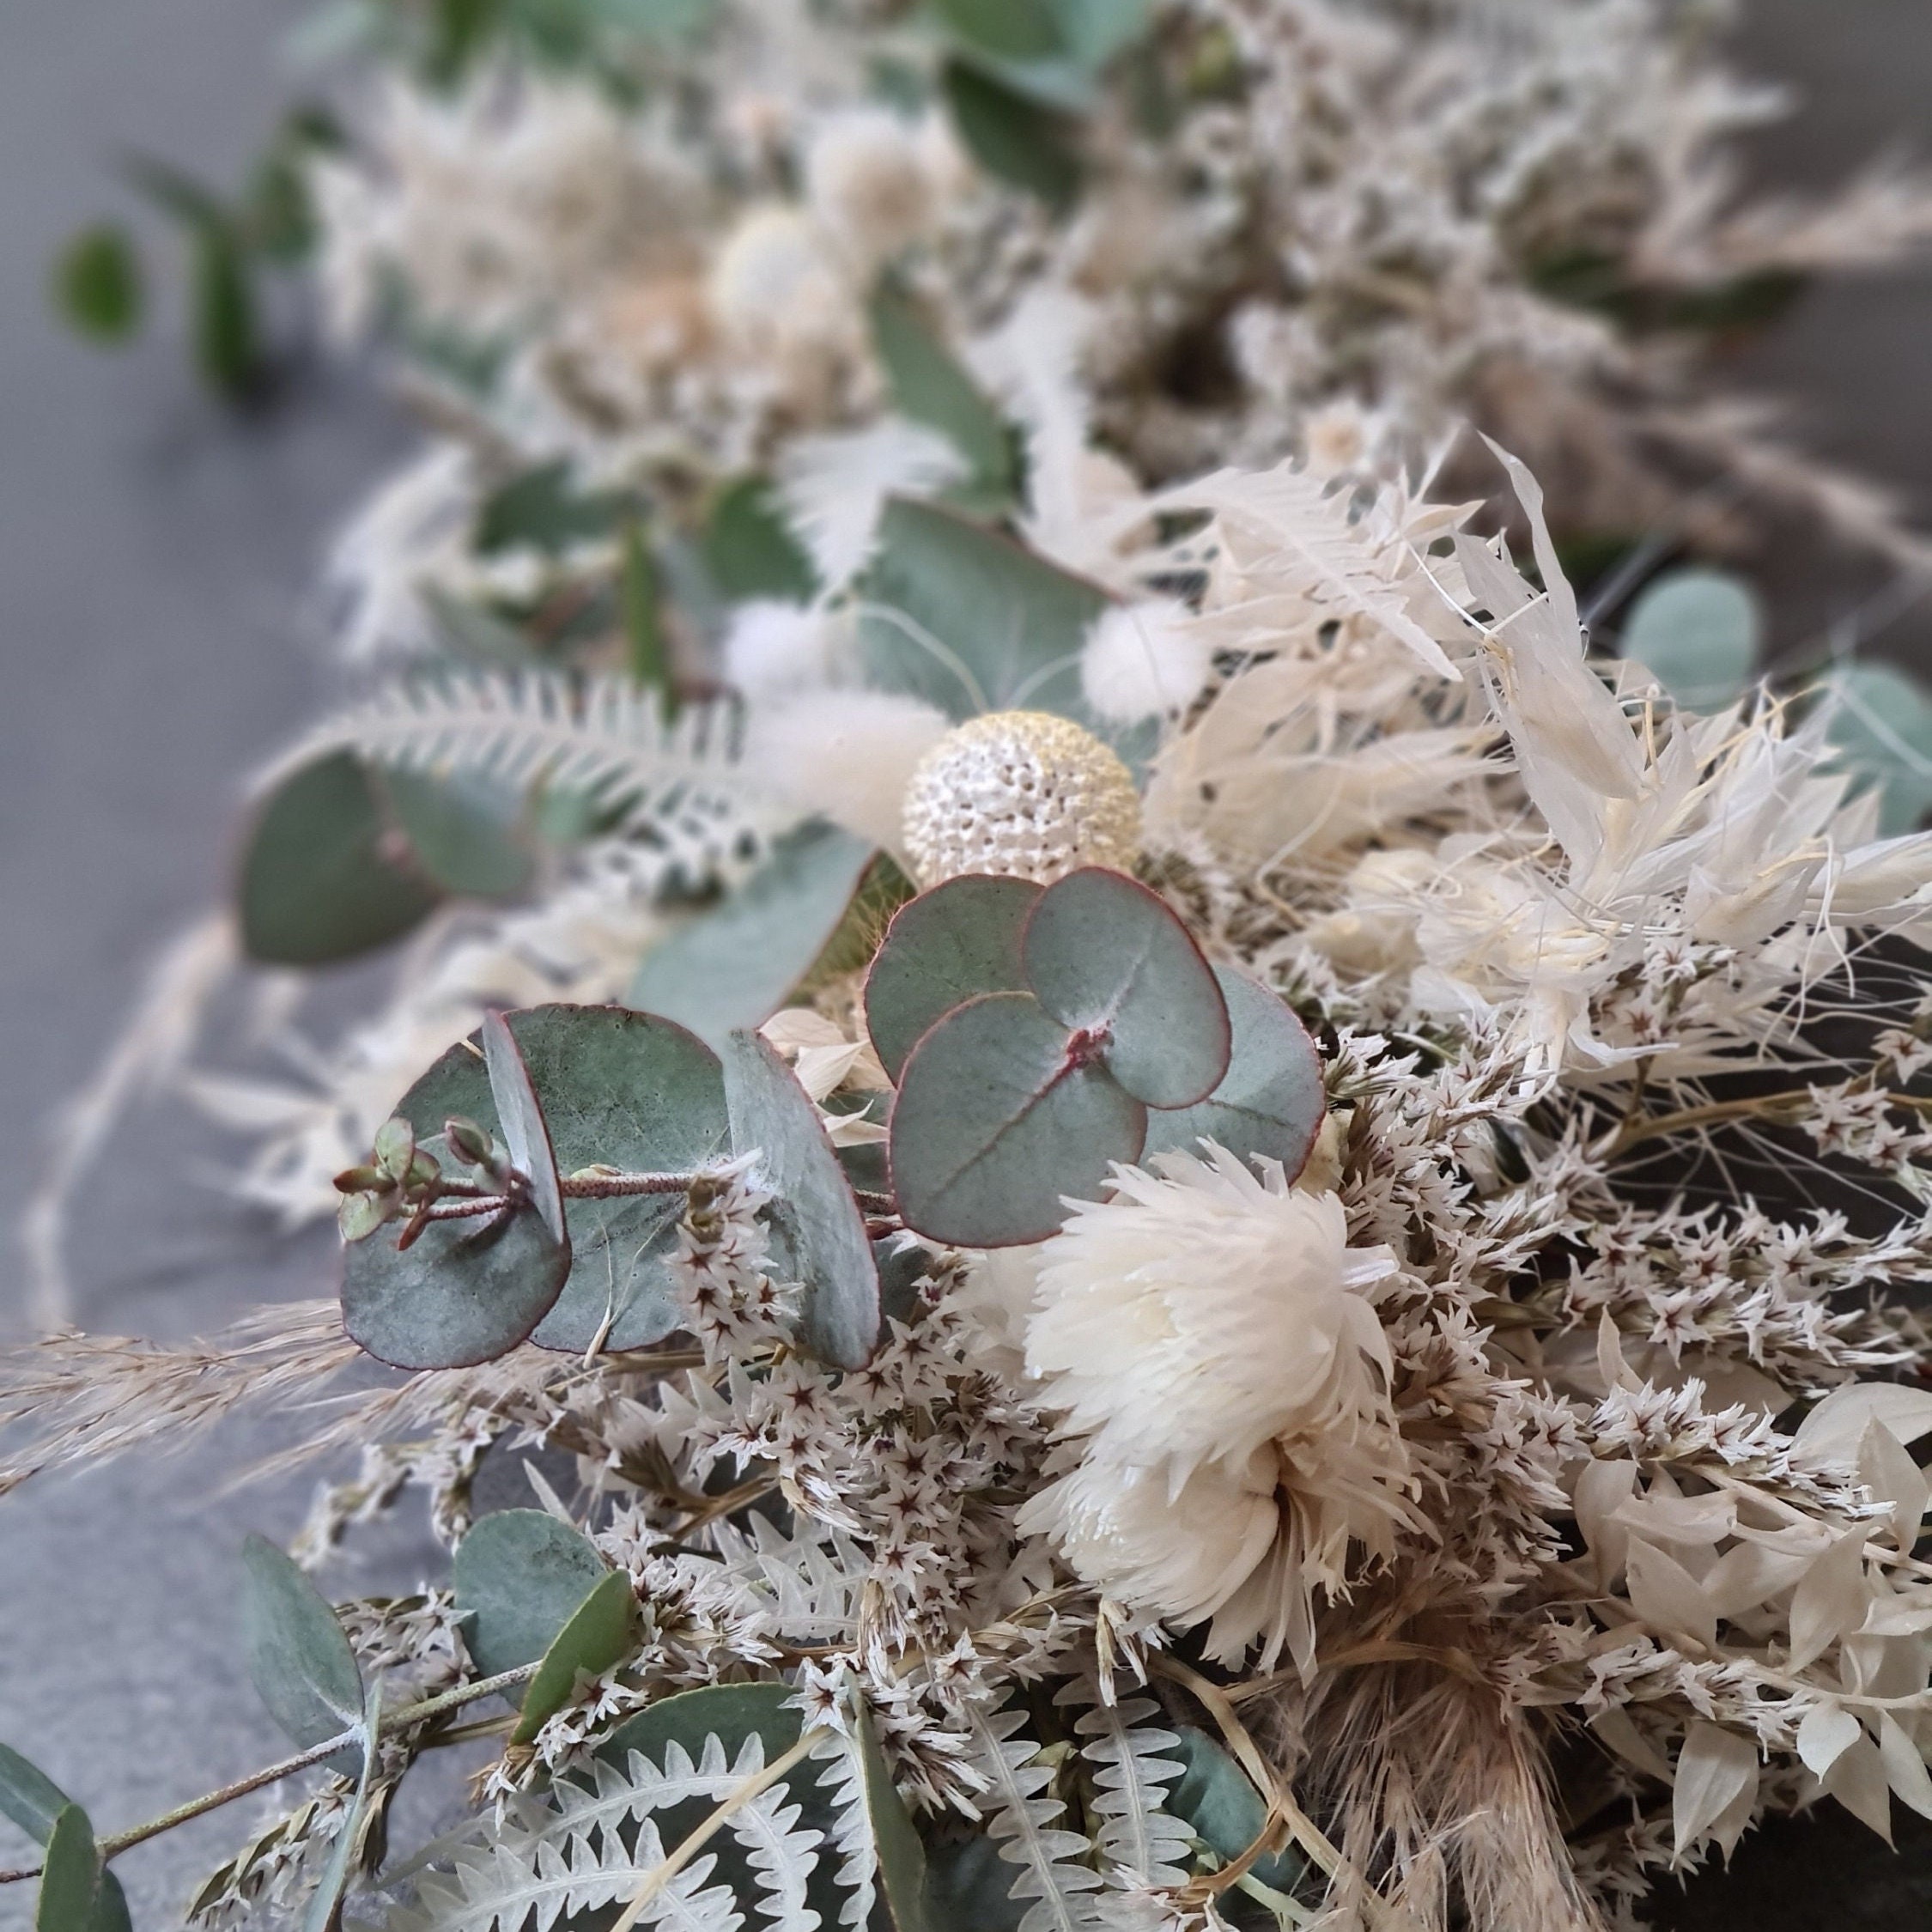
(1023, 795)
(1207, 1335)
(1144, 659)
(869, 180)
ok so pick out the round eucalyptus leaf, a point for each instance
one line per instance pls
(627, 1089)
(996, 1121)
(465, 1291)
(525, 1133)
(729, 1712)
(298, 1656)
(1222, 1807)
(949, 945)
(1880, 718)
(1699, 633)
(597, 1635)
(1104, 953)
(818, 1235)
(1270, 1103)
(462, 837)
(519, 1575)
(323, 876)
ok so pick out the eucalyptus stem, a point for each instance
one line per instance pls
(1767, 1106)
(402, 1720)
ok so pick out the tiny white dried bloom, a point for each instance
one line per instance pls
(1142, 659)
(869, 181)
(773, 646)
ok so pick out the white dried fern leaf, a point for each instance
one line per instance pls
(1143, 1843)
(853, 1837)
(603, 735)
(1022, 1824)
(805, 1588)
(520, 1885)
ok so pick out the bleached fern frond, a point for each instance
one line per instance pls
(782, 1854)
(602, 735)
(1021, 1822)
(627, 1796)
(853, 1837)
(1143, 1843)
(805, 1588)
(525, 1885)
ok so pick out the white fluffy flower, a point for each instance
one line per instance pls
(778, 292)
(868, 180)
(1141, 659)
(773, 646)
(1209, 1335)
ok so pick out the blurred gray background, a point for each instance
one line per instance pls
(156, 558)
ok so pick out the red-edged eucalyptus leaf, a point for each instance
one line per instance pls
(324, 1911)
(1104, 954)
(901, 1856)
(818, 1235)
(996, 1119)
(627, 1089)
(466, 1290)
(1270, 1101)
(324, 876)
(597, 1635)
(949, 945)
(298, 1656)
(518, 1576)
(733, 964)
(525, 1132)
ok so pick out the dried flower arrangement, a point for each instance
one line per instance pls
(1157, 1175)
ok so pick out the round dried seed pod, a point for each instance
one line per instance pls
(1021, 794)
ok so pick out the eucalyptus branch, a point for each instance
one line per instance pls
(404, 1719)
(572, 1187)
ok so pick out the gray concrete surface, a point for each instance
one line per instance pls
(154, 559)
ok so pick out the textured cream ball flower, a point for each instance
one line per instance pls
(1021, 794)
(1210, 1337)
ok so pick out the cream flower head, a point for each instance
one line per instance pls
(1211, 1339)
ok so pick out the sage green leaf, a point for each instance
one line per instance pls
(1224, 1810)
(1699, 633)
(597, 1636)
(901, 1857)
(1270, 1103)
(460, 834)
(543, 509)
(996, 1119)
(1880, 718)
(733, 964)
(969, 1886)
(640, 601)
(945, 947)
(320, 876)
(324, 1911)
(302, 1667)
(98, 284)
(525, 1132)
(470, 631)
(28, 1796)
(1011, 135)
(466, 1290)
(519, 1575)
(1007, 29)
(731, 1712)
(930, 386)
(1094, 31)
(748, 549)
(70, 1875)
(818, 1235)
(226, 325)
(1106, 956)
(629, 1089)
(968, 620)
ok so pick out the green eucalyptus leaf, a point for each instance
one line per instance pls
(640, 599)
(97, 282)
(542, 509)
(519, 1575)
(28, 1796)
(1106, 956)
(748, 549)
(1880, 718)
(226, 330)
(996, 1119)
(470, 631)
(597, 1636)
(1270, 1103)
(526, 1134)
(459, 835)
(466, 1290)
(969, 1886)
(302, 1667)
(1011, 135)
(818, 1235)
(70, 1875)
(1225, 1812)
(321, 878)
(1699, 633)
(930, 386)
(733, 964)
(901, 1856)
(730, 1712)
(945, 947)
(1006, 29)
(968, 620)
(324, 1911)
(1094, 31)
(630, 1089)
